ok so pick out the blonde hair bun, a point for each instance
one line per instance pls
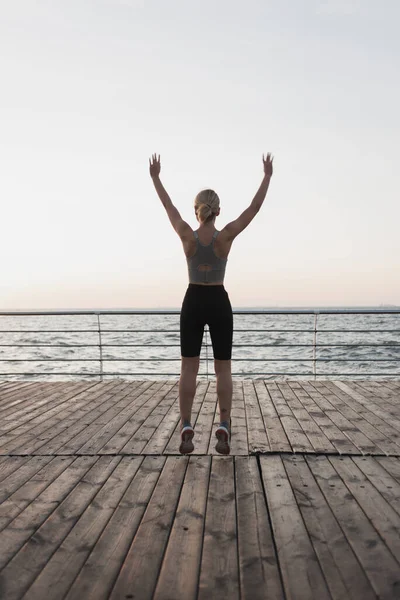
(206, 205)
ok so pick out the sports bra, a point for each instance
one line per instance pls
(205, 256)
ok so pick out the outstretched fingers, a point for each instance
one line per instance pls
(269, 158)
(154, 159)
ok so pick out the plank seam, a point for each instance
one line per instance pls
(255, 453)
(285, 597)
(172, 523)
(237, 527)
(204, 528)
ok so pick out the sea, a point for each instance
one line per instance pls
(57, 347)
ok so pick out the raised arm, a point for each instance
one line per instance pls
(181, 227)
(233, 228)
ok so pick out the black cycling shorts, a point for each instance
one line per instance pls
(206, 304)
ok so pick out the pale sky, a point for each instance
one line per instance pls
(91, 88)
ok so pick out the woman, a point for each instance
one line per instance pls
(206, 300)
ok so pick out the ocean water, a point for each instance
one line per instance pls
(270, 346)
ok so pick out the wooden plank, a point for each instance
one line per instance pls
(172, 446)
(181, 565)
(296, 436)
(391, 384)
(388, 414)
(343, 573)
(103, 418)
(277, 438)
(377, 561)
(39, 409)
(362, 401)
(166, 427)
(377, 390)
(81, 416)
(369, 416)
(139, 572)
(386, 437)
(98, 574)
(12, 396)
(144, 421)
(146, 426)
(14, 536)
(256, 432)
(219, 564)
(203, 428)
(64, 565)
(11, 383)
(210, 406)
(391, 465)
(70, 392)
(258, 563)
(25, 566)
(29, 401)
(366, 399)
(11, 399)
(117, 418)
(315, 435)
(387, 486)
(25, 472)
(383, 444)
(364, 444)
(31, 489)
(301, 571)
(30, 428)
(307, 394)
(31, 437)
(10, 464)
(383, 517)
(123, 424)
(7, 385)
(239, 437)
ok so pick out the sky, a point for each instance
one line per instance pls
(91, 88)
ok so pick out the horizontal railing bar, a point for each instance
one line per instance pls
(178, 331)
(14, 360)
(204, 345)
(351, 374)
(263, 311)
(54, 330)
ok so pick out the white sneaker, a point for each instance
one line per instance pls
(186, 445)
(223, 436)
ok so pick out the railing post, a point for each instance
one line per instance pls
(100, 346)
(206, 332)
(314, 345)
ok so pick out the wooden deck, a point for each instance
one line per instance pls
(97, 503)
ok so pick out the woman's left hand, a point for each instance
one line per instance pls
(155, 166)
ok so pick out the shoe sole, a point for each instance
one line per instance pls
(222, 446)
(186, 446)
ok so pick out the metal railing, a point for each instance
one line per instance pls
(100, 331)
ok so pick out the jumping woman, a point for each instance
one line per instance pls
(206, 300)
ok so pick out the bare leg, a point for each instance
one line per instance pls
(224, 388)
(187, 386)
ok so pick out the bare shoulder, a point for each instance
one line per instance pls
(232, 229)
(224, 235)
(188, 241)
(223, 243)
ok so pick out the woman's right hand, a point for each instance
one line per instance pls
(268, 170)
(154, 166)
